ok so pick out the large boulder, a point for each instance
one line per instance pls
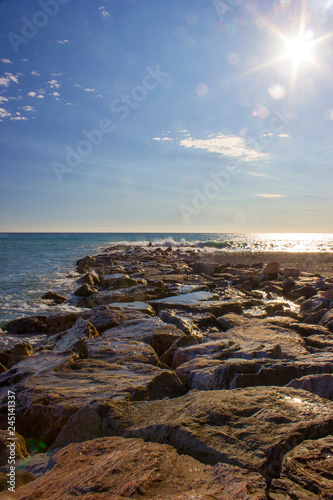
(31, 325)
(114, 468)
(252, 428)
(306, 472)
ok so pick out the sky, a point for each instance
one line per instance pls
(155, 116)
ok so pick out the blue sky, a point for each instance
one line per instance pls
(182, 116)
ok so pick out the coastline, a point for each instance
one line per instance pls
(190, 374)
(312, 262)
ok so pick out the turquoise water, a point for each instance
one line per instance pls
(32, 264)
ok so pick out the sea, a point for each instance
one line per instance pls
(32, 264)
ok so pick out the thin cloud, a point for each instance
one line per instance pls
(5, 80)
(104, 12)
(35, 73)
(32, 94)
(268, 195)
(28, 108)
(4, 114)
(90, 90)
(230, 146)
(54, 84)
(6, 61)
(3, 99)
(164, 139)
(63, 42)
(18, 118)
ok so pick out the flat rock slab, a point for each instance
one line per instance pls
(134, 306)
(207, 373)
(152, 331)
(193, 299)
(251, 428)
(115, 468)
(307, 472)
(322, 385)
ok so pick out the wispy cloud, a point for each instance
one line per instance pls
(63, 42)
(90, 90)
(104, 12)
(6, 61)
(230, 146)
(9, 77)
(28, 108)
(19, 118)
(257, 174)
(35, 73)
(4, 114)
(53, 84)
(271, 195)
(164, 139)
(32, 94)
(3, 99)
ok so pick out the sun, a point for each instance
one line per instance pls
(299, 50)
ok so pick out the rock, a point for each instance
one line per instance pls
(60, 321)
(327, 320)
(321, 385)
(132, 468)
(183, 322)
(151, 331)
(291, 273)
(271, 269)
(314, 317)
(52, 386)
(313, 305)
(107, 317)
(91, 278)
(86, 264)
(80, 331)
(31, 325)
(306, 472)
(203, 268)
(2, 368)
(251, 428)
(302, 291)
(57, 299)
(20, 447)
(22, 478)
(228, 321)
(121, 352)
(85, 290)
(19, 352)
(134, 306)
(328, 294)
(193, 299)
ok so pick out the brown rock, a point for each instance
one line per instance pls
(85, 290)
(19, 352)
(60, 321)
(271, 269)
(91, 278)
(132, 468)
(306, 472)
(33, 325)
(252, 428)
(20, 447)
(22, 477)
(57, 299)
(321, 385)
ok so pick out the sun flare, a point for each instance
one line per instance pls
(299, 50)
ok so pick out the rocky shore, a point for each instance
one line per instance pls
(180, 377)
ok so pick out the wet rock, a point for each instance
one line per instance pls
(20, 447)
(80, 331)
(183, 322)
(321, 385)
(134, 306)
(51, 387)
(59, 322)
(121, 352)
(85, 265)
(183, 301)
(152, 331)
(57, 299)
(91, 278)
(85, 290)
(327, 320)
(132, 467)
(306, 472)
(251, 428)
(19, 352)
(107, 317)
(32, 325)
